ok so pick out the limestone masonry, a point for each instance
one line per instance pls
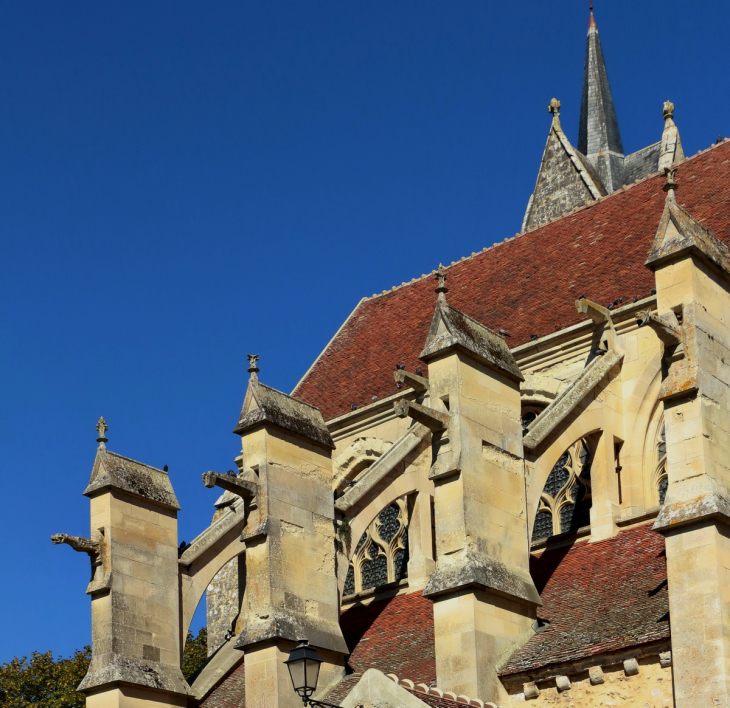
(505, 482)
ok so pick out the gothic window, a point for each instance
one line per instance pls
(381, 554)
(660, 473)
(565, 502)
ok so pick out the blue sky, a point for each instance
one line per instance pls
(186, 182)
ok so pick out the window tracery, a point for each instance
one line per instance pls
(565, 502)
(381, 554)
(660, 473)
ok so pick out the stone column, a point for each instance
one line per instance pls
(693, 298)
(484, 598)
(291, 587)
(135, 596)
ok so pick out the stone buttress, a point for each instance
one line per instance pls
(291, 587)
(484, 599)
(692, 270)
(134, 590)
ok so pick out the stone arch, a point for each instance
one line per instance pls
(208, 554)
(641, 419)
(356, 458)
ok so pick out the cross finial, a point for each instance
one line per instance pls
(554, 107)
(101, 428)
(253, 369)
(590, 6)
(441, 288)
(670, 186)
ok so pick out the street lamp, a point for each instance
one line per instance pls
(303, 664)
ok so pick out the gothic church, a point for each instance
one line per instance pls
(452, 514)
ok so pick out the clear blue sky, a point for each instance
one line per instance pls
(186, 182)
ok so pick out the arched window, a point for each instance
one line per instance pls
(661, 479)
(381, 554)
(565, 502)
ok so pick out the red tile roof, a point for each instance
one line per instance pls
(527, 285)
(230, 693)
(393, 636)
(598, 597)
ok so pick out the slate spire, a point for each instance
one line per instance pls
(599, 138)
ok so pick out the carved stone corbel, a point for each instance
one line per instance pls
(434, 420)
(96, 550)
(231, 483)
(601, 317)
(664, 326)
(598, 313)
(418, 383)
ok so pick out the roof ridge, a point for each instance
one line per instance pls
(136, 462)
(288, 395)
(438, 693)
(587, 205)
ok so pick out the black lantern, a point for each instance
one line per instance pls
(303, 665)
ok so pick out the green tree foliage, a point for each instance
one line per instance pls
(43, 682)
(195, 654)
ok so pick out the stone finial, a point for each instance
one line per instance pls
(668, 110)
(101, 428)
(670, 186)
(554, 107)
(441, 288)
(253, 369)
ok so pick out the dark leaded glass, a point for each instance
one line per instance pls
(400, 563)
(558, 477)
(661, 450)
(543, 526)
(349, 588)
(368, 575)
(389, 524)
(527, 418)
(566, 517)
(381, 571)
(663, 485)
(584, 455)
(581, 515)
(373, 550)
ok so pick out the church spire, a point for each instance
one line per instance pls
(599, 138)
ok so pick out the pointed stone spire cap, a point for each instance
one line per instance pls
(253, 369)
(679, 234)
(441, 288)
(101, 428)
(591, 19)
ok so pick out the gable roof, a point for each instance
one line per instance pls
(680, 233)
(597, 598)
(264, 404)
(117, 472)
(527, 284)
(451, 328)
